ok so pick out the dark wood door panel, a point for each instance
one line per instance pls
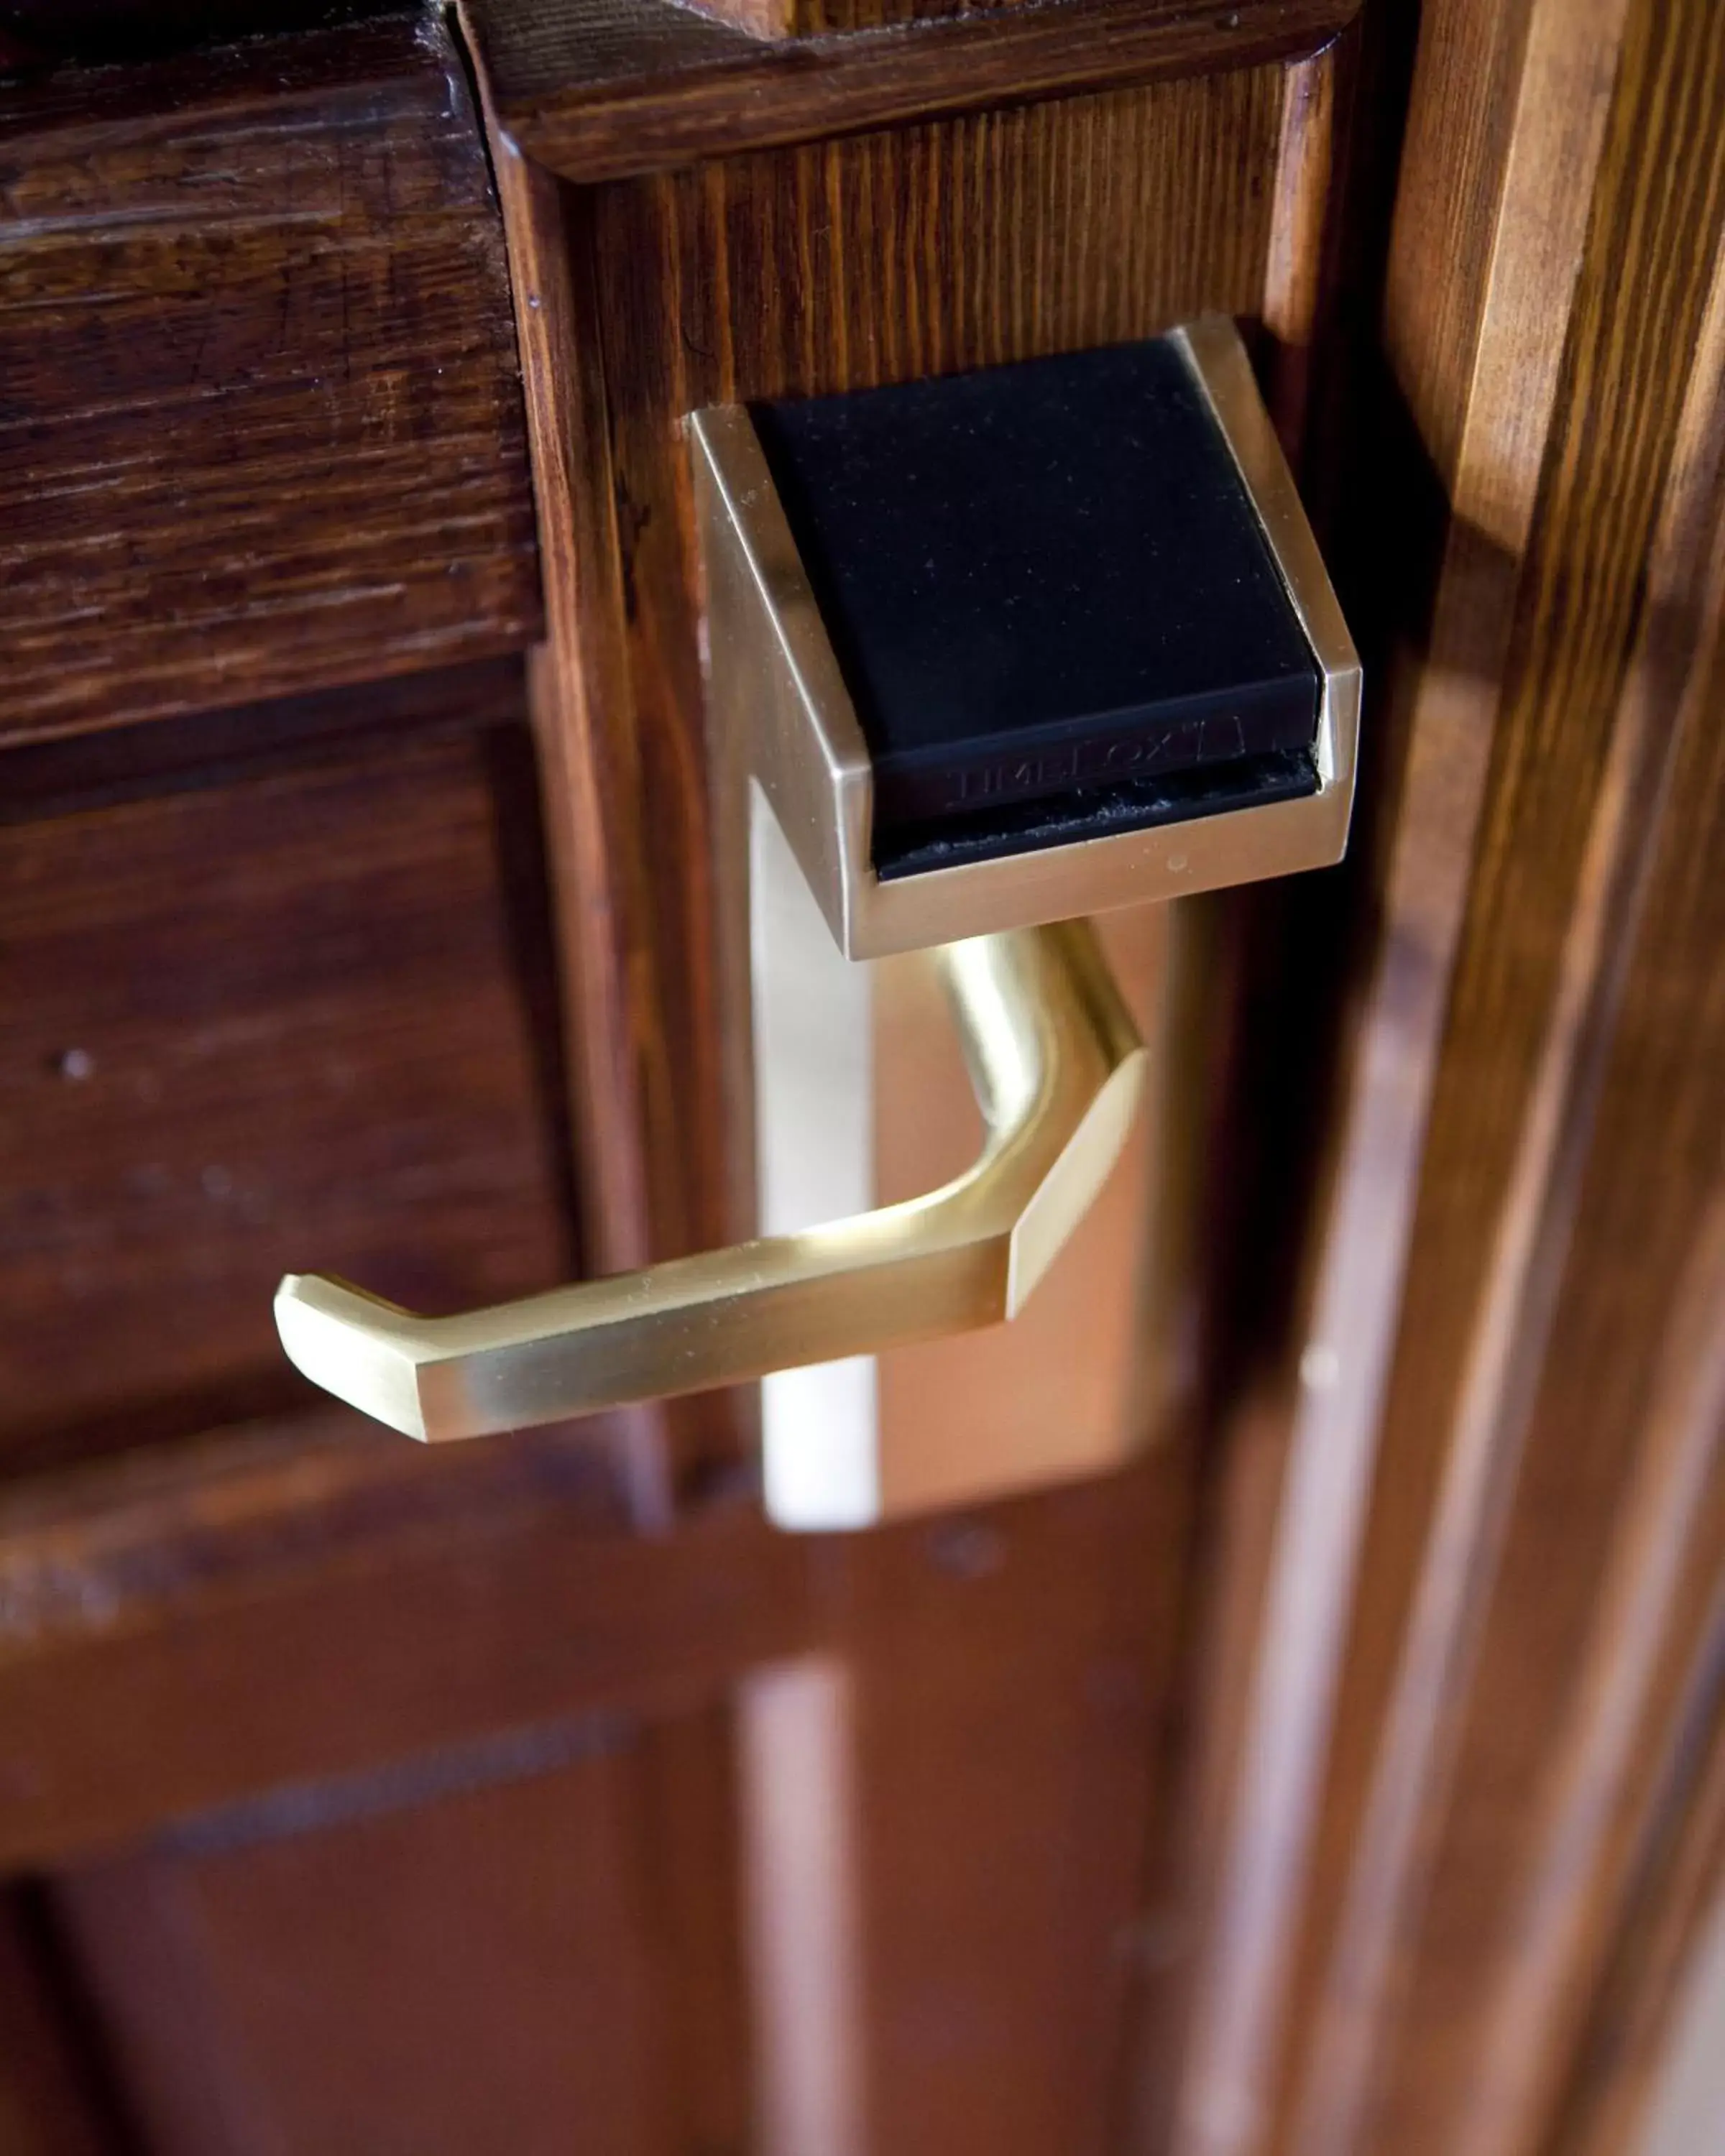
(1009, 1673)
(561, 1889)
(191, 1628)
(446, 1971)
(302, 1017)
(260, 422)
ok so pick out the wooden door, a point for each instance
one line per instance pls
(1340, 1778)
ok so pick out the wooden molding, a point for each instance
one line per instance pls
(1435, 1714)
(605, 89)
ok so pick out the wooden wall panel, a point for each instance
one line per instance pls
(1480, 1670)
(319, 1605)
(304, 1018)
(947, 1805)
(260, 426)
(1008, 1684)
(1591, 1350)
(494, 1778)
(484, 1964)
(602, 89)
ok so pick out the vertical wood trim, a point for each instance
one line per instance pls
(1569, 70)
(588, 774)
(1508, 1349)
(801, 1863)
(1574, 701)
(1536, 220)
(1303, 170)
(1504, 137)
(1675, 1901)
(1294, 261)
(588, 769)
(1584, 1841)
(1534, 2006)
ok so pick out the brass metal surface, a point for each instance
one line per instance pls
(1058, 1070)
(859, 1096)
(773, 676)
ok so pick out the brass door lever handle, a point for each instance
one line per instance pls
(1058, 1070)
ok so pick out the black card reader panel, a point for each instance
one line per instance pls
(1053, 604)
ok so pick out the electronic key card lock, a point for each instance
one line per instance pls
(987, 655)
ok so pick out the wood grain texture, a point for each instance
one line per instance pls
(947, 1811)
(1636, 2018)
(816, 15)
(1491, 1727)
(1009, 1675)
(260, 422)
(338, 1985)
(602, 875)
(303, 1017)
(806, 18)
(600, 848)
(66, 774)
(491, 1600)
(520, 1912)
(598, 89)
